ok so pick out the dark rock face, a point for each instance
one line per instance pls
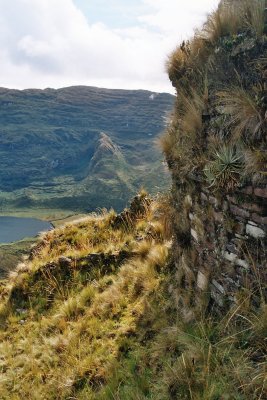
(220, 190)
(138, 209)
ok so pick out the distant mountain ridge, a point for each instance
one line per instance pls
(69, 145)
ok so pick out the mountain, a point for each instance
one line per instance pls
(80, 147)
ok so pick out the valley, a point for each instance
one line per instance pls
(80, 148)
(73, 150)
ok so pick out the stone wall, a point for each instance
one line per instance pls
(223, 259)
(216, 151)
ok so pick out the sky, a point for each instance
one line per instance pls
(106, 43)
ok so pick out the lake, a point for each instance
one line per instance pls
(13, 229)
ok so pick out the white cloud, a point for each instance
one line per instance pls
(50, 43)
(178, 17)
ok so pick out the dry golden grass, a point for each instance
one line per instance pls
(254, 15)
(117, 334)
(178, 62)
(192, 107)
(68, 325)
(233, 17)
(183, 140)
(255, 164)
(246, 118)
(168, 140)
(108, 328)
(228, 19)
(187, 63)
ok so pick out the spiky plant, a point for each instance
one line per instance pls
(225, 170)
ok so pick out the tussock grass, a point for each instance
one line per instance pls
(234, 17)
(247, 119)
(69, 325)
(117, 335)
(226, 20)
(186, 133)
(254, 16)
(256, 164)
(90, 314)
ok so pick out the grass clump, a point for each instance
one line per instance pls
(256, 164)
(246, 115)
(72, 317)
(235, 17)
(186, 133)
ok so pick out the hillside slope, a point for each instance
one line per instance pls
(89, 316)
(48, 138)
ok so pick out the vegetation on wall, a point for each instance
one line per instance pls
(225, 170)
(213, 92)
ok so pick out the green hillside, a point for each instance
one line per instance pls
(48, 138)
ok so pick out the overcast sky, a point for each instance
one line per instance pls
(104, 43)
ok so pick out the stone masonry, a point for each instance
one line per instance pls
(226, 257)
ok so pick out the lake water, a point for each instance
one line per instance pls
(13, 229)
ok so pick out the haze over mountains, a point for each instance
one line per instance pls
(80, 147)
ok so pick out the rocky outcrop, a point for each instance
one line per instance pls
(104, 147)
(138, 209)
